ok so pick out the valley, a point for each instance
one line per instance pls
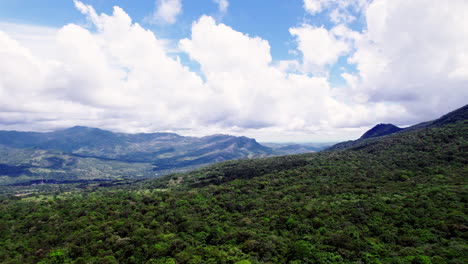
(90, 154)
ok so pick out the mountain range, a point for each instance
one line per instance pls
(84, 153)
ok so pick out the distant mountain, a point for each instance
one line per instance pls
(93, 153)
(292, 148)
(384, 130)
(151, 147)
(86, 141)
(380, 130)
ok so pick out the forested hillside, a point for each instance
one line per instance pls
(401, 198)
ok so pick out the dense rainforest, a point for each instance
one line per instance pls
(399, 198)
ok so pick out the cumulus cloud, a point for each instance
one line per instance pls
(21, 75)
(256, 93)
(319, 47)
(222, 5)
(38, 38)
(166, 11)
(410, 57)
(414, 54)
(118, 75)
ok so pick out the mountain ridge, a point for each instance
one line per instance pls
(99, 153)
(88, 140)
(457, 115)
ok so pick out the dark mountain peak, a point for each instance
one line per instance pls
(247, 139)
(243, 141)
(380, 130)
(248, 142)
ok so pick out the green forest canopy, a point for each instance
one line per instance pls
(396, 199)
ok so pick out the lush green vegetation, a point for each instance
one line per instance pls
(28, 166)
(397, 199)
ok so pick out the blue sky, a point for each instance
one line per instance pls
(276, 70)
(269, 19)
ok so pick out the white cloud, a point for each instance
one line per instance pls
(218, 39)
(34, 37)
(21, 75)
(319, 47)
(120, 77)
(414, 54)
(114, 77)
(234, 65)
(252, 92)
(166, 11)
(338, 16)
(314, 6)
(222, 5)
(339, 11)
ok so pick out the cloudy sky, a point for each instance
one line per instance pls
(276, 70)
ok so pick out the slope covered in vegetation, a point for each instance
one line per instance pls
(397, 199)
